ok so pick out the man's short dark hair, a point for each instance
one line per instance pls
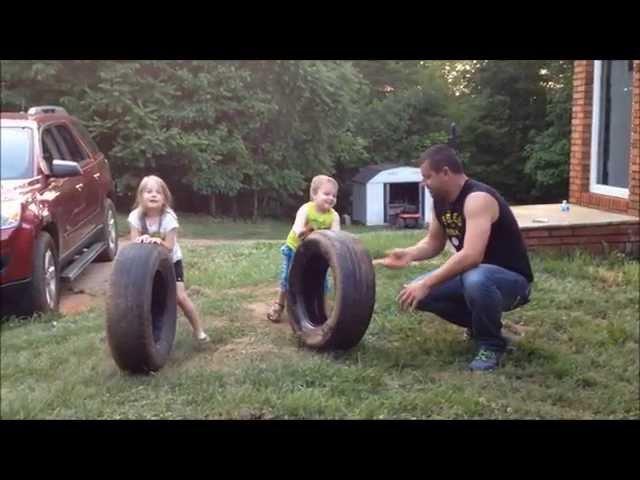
(440, 156)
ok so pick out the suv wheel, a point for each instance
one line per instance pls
(110, 233)
(45, 284)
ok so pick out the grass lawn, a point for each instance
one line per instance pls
(578, 359)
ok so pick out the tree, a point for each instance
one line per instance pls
(397, 124)
(184, 119)
(506, 101)
(28, 83)
(307, 130)
(549, 149)
(259, 130)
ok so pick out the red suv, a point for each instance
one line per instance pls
(57, 207)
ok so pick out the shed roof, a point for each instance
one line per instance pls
(367, 173)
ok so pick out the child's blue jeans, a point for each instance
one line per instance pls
(287, 259)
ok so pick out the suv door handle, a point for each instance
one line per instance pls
(79, 187)
(96, 176)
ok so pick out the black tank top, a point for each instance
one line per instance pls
(505, 247)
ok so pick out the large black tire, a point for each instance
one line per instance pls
(43, 293)
(141, 308)
(354, 287)
(109, 232)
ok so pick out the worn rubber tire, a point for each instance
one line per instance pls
(355, 291)
(36, 299)
(141, 308)
(110, 233)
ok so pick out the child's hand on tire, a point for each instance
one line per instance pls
(148, 239)
(143, 239)
(305, 233)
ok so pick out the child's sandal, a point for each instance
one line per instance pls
(202, 338)
(276, 311)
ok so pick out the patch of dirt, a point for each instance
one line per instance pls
(263, 291)
(77, 303)
(217, 357)
(259, 312)
(515, 329)
(608, 278)
(195, 291)
(245, 346)
(222, 357)
(268, 292)
(92, 285)
(87, 290)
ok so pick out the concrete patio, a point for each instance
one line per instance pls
(546, 226)
(535, 216)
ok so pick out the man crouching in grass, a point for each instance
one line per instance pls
(490, 272)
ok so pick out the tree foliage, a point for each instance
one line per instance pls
(261, 129)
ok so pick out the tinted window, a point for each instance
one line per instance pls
(62, 152)
(85, 136)
(75, 152)
(50, 150)
(15, 153)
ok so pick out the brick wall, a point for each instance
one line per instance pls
(581, 145)
(634, 184)
(597, 239)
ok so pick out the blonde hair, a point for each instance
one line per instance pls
(168, 198)
(320, 180)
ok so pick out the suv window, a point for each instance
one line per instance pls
(85, 136)
(50, 149)
(74, 151)
(15, 153)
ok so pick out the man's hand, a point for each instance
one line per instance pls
(397, 258)
(412, 293)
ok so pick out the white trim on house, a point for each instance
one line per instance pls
(610, 191)
(595, 131)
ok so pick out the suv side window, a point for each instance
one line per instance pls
(50, 148)
(85, 136)
(75, 151)
(65, 154)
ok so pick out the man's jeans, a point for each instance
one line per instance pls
(476, 300)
